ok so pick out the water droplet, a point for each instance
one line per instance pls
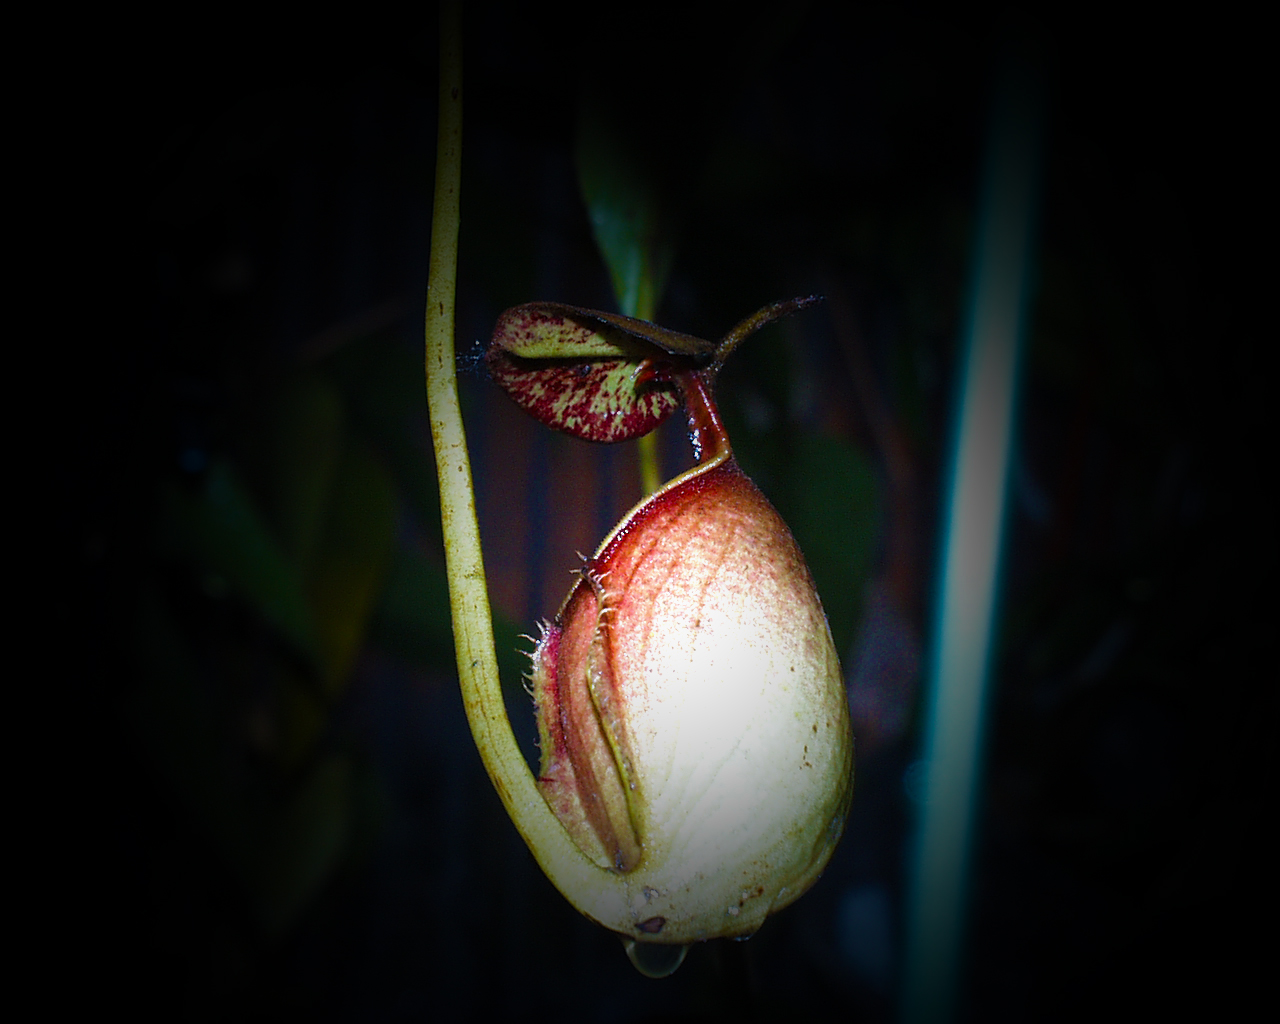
(654, 960)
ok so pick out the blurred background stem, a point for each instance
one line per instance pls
(967, 619)
(641, 303)
(630, 229)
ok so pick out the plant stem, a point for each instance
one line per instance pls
(642, 308)
(596, 892)
(963, 655)
(650, 474)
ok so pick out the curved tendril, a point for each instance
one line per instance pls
(760, 318)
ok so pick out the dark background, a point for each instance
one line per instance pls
(277, 825)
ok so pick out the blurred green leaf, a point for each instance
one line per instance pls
(305, 445)
(220, 531)
(351, 560)
(830, 501)
(179, 723)
(382, 380)
(300, 717)
(414, 620)
(307, 843)
(626, 214)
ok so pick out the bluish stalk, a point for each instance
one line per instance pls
(966, 616)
